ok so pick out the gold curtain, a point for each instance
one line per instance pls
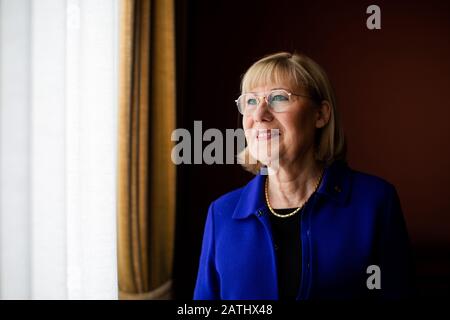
(146, 174)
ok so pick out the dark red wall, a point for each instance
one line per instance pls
(392, 87)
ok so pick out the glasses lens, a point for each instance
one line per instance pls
(278, 100)
(247, 103)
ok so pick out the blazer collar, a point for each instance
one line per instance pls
(335, 186)
(252, 198)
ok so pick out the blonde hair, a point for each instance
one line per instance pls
(302, 71)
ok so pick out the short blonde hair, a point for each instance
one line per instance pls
(301, 71)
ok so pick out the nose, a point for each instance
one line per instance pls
(262, 112)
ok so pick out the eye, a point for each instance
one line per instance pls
(251, 102)
(279, 98)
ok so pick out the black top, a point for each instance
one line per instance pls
(288, 249)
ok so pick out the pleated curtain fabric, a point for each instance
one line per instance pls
(146, 185)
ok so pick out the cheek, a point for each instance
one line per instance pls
(247, 122)
(299, 129)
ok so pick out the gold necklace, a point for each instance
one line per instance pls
(296, 210)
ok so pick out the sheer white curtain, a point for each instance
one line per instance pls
(58, 130)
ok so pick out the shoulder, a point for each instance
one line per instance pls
(362, 194)
(342, 182)
(241, 202)
(227, 202)
(370, 182)
(373, 187)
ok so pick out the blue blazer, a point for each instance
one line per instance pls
(354, 220)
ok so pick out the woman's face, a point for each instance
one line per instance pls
(296, 126)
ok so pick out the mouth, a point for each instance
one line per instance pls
(266, 134)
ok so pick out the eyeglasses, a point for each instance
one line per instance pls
(278, 101)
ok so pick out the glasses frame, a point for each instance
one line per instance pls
(258, 97)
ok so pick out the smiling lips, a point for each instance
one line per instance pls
(266, 134)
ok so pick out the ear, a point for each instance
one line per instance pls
(323, 114)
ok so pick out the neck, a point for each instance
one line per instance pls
(293, 183)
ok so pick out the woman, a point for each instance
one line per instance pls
(313, 228)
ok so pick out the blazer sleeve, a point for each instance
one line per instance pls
(396, 261)
(207, 284)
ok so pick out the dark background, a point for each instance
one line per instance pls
(392, 87)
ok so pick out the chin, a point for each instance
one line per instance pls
(266, 153)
